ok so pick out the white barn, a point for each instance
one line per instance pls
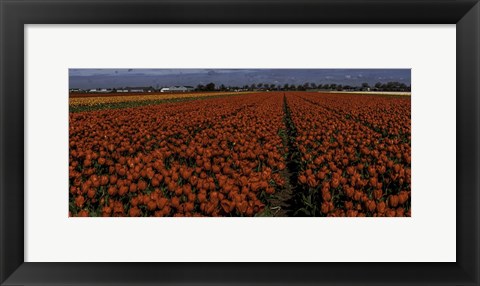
(179, 88)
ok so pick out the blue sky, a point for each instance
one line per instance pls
(110, 78)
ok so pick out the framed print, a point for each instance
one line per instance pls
(239, 142)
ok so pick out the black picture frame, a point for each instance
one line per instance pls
(14, 14)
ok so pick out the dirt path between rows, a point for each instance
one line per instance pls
(284, 203)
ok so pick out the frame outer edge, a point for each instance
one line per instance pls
(3, 123)
(468, 143)
(2, 138)
(476, 274)
(477, 202)
(11, 139)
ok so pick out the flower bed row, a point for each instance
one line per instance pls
(217, 157)
(349, 168)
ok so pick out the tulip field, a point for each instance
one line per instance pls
(253, 154)
(92, 101)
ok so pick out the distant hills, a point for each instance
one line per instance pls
(107, 78)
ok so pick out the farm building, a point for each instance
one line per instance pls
(140, 89)
(136, 89)
(100, 90)
(178, 88)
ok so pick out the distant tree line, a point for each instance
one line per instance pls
(208, 87)
(392, 86)
(389, 86)
(308, 86)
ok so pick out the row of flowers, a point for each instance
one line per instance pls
(217, 157)
(355, 155)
